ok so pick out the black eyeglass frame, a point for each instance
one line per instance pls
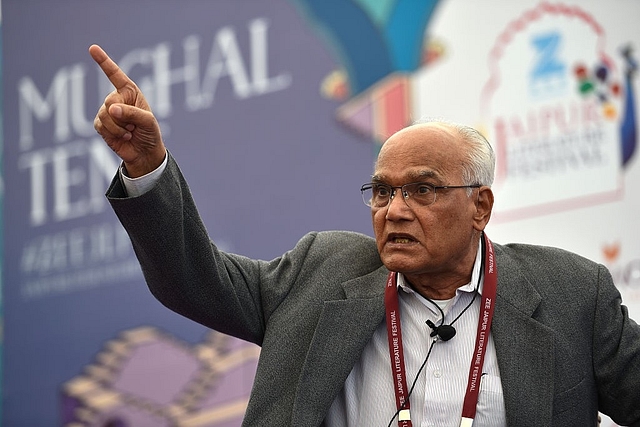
(405, 194)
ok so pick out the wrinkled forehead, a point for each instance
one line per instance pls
(421, 151)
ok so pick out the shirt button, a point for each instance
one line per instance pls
(437, 373)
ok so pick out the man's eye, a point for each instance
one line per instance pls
(423, 189)
(381, 191)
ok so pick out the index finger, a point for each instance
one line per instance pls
(116, 76)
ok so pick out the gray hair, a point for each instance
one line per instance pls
(481, 159)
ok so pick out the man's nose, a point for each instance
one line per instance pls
(398, 207)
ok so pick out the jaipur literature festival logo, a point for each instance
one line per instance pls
(559, 109)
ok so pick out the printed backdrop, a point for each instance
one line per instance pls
(275, 111)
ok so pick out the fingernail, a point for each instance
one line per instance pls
(127, 136)
(130, 127)
(116, 111)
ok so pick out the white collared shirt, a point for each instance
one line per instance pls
(368, 398)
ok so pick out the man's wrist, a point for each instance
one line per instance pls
(137, 186)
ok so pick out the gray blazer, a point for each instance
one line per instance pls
(566, 347)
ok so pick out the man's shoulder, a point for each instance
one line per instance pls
(530, 251)
(347, 245)
(345, 236)
(337, 240)
(541, 259)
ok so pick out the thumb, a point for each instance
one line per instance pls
(127, 115)
(116, 111)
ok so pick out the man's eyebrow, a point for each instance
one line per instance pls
(412, 176)
(423, 174)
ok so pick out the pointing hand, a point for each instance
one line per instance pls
(125, 121)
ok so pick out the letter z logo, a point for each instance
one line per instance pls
(547, 64)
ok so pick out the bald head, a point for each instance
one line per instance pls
(462, 148)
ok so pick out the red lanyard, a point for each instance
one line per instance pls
(395, 350)
(394, 333)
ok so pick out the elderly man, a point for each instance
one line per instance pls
(428, 324)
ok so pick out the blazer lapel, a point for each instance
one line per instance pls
(343, 330)
(524, 349)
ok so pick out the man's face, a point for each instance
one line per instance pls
(437, 240)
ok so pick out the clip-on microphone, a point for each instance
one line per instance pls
(444, 332)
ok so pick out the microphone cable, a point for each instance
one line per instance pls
(428, 322)
(435, 328)
(433, 342)
(413, 385)
(475, 293)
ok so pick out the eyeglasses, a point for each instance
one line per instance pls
(416, 194)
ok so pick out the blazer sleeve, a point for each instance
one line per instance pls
(616, 352)
(187, 273)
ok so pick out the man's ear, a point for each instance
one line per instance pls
(484, 207)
